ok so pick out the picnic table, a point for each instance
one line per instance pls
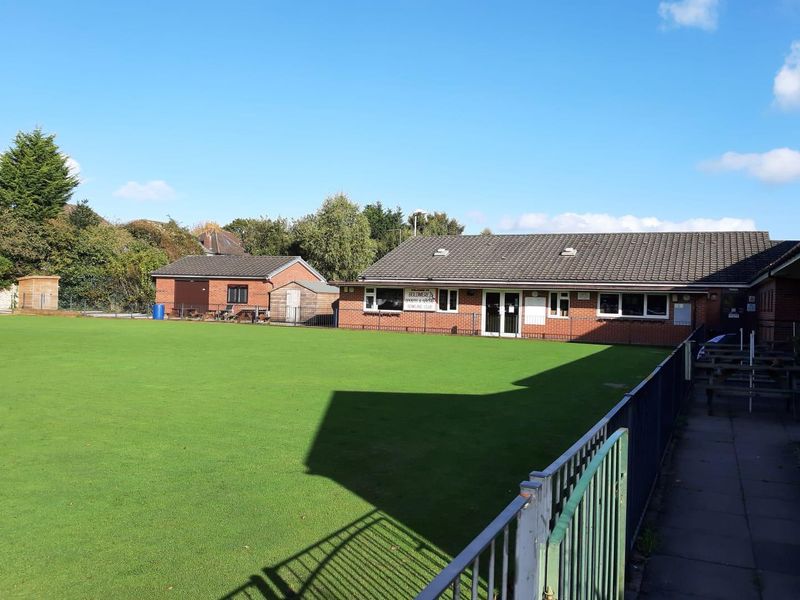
(765, 377)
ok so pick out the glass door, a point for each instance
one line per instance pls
(511, 313)
(492, 313)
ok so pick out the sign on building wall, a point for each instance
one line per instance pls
(419, 299)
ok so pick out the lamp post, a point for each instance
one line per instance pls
(418, 211)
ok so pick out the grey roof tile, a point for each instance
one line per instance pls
(691, 257)
(224, 266)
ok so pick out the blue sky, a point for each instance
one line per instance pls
(519, 116)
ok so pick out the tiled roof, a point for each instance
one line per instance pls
(220, 242)
(682, 258)
(225, 266)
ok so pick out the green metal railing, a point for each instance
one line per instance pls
(585, 553)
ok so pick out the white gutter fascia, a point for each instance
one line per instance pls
(697, 287)
(771, 272)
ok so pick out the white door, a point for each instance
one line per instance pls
(292, 306)
(501, 313)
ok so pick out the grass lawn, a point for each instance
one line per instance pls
(148, 459)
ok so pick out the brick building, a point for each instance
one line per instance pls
(203, 284)
(640, 288)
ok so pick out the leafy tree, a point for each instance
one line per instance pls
(170, 237)
(263, 236)
(23, 242)
(6, 272)
(82, 216)
(336, 239)
(486, 231)
(437, 223)
(386, 226)
(34, 178)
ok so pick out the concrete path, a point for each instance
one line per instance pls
(729, 522)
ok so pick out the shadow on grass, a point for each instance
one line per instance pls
(437, 467)
(374, 555)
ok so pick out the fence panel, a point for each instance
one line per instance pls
(585, 554)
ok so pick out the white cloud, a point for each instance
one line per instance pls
(786, 86)
(605, 223)
(151, 191)
(73, 166)
(781, 165)
(690, 13)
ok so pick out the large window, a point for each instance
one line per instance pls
(651, 306)
(237, 294)
(383, 299)
(559, 304)
(448, 300)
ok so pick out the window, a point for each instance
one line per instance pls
(448, 300)
(369, 299)
(653, 306)
(383, 299)
(559, 304)
(609, 304)
(633, 305)
(237, 294)
(656, 305)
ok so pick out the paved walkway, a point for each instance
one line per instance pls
(729, 522)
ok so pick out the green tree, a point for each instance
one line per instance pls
(437, 223)
(387, 227)
(34, 178)
(23, 242)
(6, 272)
(336, 239)
(170, 237)
(263, 236)
(82, 216)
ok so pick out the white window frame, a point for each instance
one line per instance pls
(449, 292)
(373, 292)
(561, 294)
(619, 315)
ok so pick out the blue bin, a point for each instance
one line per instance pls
(158, 312)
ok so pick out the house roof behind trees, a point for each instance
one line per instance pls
(219, 241)
(233, 267)
(640, 258)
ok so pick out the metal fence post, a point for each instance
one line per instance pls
(533, 529)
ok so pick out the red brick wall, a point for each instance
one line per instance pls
(582, 325)
(257, 292)
(296, 272)
(165, 290)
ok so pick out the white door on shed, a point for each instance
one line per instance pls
(293, 306)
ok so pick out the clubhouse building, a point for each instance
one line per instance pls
(637, 288)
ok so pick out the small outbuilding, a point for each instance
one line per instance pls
(304, 302)
(38, 292)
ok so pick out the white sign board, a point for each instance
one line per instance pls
(419, 299)
(535, 310)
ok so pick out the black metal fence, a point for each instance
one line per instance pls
(656, 332)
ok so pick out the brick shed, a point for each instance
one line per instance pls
(306, 302)
(203, 285)
(38, 292)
